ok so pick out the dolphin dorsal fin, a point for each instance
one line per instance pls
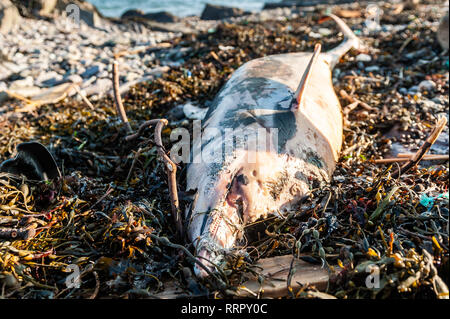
(297, 100)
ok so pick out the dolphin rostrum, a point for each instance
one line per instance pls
(272, 132)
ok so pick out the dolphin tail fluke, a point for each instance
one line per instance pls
(351, 41)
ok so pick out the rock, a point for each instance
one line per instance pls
(90, 71)
(314, 35)
(215, 12)
(162, 16)
(9, 16)
(132, 13)
(3, 96)
(40, 7)
(48, 79)
(363, 57)
(413, 89)
(193, 112)
(74, 78)
(427, 85)
(325, 32)
(403, 91)
(442, 33)
(372, 68)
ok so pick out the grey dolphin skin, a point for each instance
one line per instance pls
(285, 105)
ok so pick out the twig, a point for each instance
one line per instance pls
(171, 168)
(166, 241)
(141, 129)
(352, 99)
(118, 99)
(413, 161)
(429, 156)
(159, 46)
(85, 99)
(109, 191)
(406, 159)
(136, 156)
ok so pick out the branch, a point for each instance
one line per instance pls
(171, 168)
(118, 99)
(414, 160)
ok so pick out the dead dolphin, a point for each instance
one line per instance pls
(288, 97)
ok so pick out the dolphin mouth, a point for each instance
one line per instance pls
(226, 227)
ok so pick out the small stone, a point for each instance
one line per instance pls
(193, 112)
(90, 71)
(325, 32)
(314, 35)
(427, 85)
(413, 89)
(372, 68)
(403, 91)
(74, 78)
(364, 57)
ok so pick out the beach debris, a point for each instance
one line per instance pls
(32, 161)
(44, 96)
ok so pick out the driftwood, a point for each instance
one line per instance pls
(275, 270)
(401, 158)
(118, 100)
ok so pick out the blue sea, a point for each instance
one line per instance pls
(181, 8)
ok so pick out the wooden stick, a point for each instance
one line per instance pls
(171, 168)
(159, 46)
(85, 99)
(118, 99)
(428, 156)
(405, 159)
(413, 161)
(171, 171)
(351, 99)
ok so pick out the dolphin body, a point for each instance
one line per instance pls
(290, 98)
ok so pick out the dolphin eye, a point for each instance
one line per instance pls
(242, 179)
